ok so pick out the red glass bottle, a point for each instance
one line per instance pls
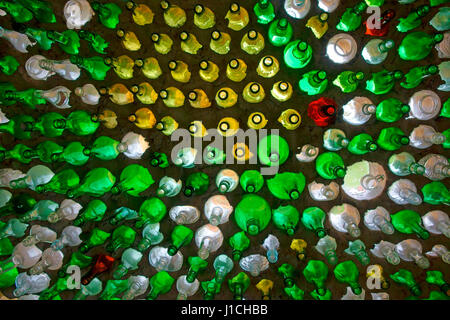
(385, 19)
(102, 264)
(323, 111)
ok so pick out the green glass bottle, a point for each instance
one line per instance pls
(392, 139)
(288, 273)
(19, 204)
(196, 265)
(348, 81)
(6, 247)
(210, 288)
(316, 272)
(297, 54)
(286, 218)
(352, 17)
(113, 288)
(39, 35)
(252, 214)
(446, 143)
(287, 185)
(50, 124)
(391, 110)
(415, 76)
(95, 41)
(280, 32)
(95, 66)
(405, 277)
(53, 291)
(437, 278)
(313, 82)
(42, 10)
(251, 181)
(96, 238)
(152, 210)
(330, 165)
(197, 183)
(313, 219)
(418, 45)
(445, 111)
(18, 12)
(361, 144)
(122, 237)
(61, 182)
(158, 159)
(160, 283)
(8, 278)
(47, 151)
(29, 97)
(238, 285)
(294, 292)
(19, 126)
(94, 211)
(76, 259)
(108, 13)
(273, 150)
(105, 148)
(383, 82)
(264, 11)
(347, 272)
(95, 183)
(68, 40)
(414, 19)
(409, 222)
(133, 180)
(81, 123)
(434, 193)
(8, 65)
(74, 153)
(239, 242)
(19, 152)
(181, 236)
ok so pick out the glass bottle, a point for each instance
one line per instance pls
(167, 125)
(383, 82)
(181, 236)
(204, 17)
(329, 165)
(172, 97)
(313, 219)
(239, 242)
(255, 264)
(418, 45)
(436, 193)
(287, 185)
(282, 91)
(237, 17)
(264, 11)
(437, 166)
(404, 191)
(391, 110)
(377, 50)
(220, 42)
(286, 218)
(141, 13)
(160, 283)
(252, 42)
(297, 54)
(280, 32)
(345, 218)
(252, 214)
(414, 19)
(209, 71)
(335, 139)
(179, 71)
(411, 250)
(313, 82)
(268, 67)
(318, 24)
(174, 16)
(361, 144)
(199, 99)
(149, 67)
(226, 98)
(348, 81)
(253, 92)
(409, 222)
(108, 13)
(351, 18)
(196, 183)
(236, 70)
(437, 222)
(162, 42)
(189, 43)
(378, 219)
(391, 139)
(347, 272)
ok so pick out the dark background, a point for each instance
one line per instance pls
(308, 132)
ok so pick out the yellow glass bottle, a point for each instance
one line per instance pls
(252, 42)
(253, 92)
(118, 94)
(220, 42)
(268, 67)
(257, 120)
(318, 24)
(149, 67)
(241, 152)
(141, 13)
(162, 42)
(226, 98)
(174, 16)
(197, 129)
(228, 126)
(282, 91)
(237, 17)
(123, 66)
(108, 118)
(172, 97)
(199, 99)
(290, 119)
(189, 43)
(167, 125)
(179, 71)
(145, 93)
(209, 71)
(204, 17)
(265, 286)
(236, 70)
(129, 40)
(143, 118)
